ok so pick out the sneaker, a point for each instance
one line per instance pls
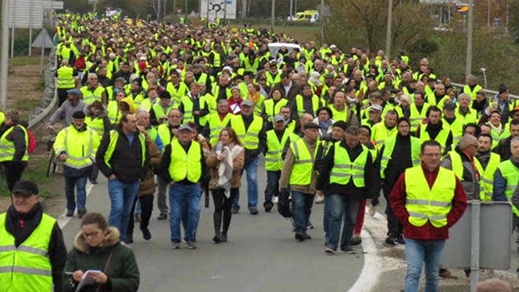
(319, 199)
(445, 273)
(391, 241)
(235, 210)
(299, 236)
(129, 239)
(175, 245)
(190, 244)
(146, 234)
(93, 181)
(223, 237)
(268, 206)
(400, 239)
(306, 236)
(137, 218)
(253, 211)
(81, 213)
(275, 200)
(310, 226)
(162, 216)
(329, 251)
(356, 241)
(348, 249)
(70, 213)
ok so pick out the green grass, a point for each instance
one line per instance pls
(25, 60)
(38, 175)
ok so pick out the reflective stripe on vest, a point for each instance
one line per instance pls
(303, 164)
(250, 137)
(26, 267)
(416, 117)
(185, 165)
(7, 149)
(429, 204)
(74, 143)
(90, 96)
(389, 146)
(273, 108)
(216, 125)
(487, 179)
(65, 79)
(273, 157)
(511, 174)
(457, 164)
(344, 169)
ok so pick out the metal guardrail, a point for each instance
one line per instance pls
(488, 92)
(50, 96)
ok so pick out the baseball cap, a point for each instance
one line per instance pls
(247, 102)
(279, 118)
(74, 92)
(449, 106)
(78, 115)
(375, 108)
(185, 127)
(25, 188)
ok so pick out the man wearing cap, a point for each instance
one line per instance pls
(14, 141)
(434, 129)
(76, 146)
(298, 176)
(398, 153)
(217, 121)
(504, 104)
(278, 140)
(374, 116)
(93, 90)
(182, 167)
(251, 131)
(65, 80)
(347, 176)
(32, 251)
(64, 113)
(123, 158)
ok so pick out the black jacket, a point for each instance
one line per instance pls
(126, 160)
(370, 176)
(503, 148)
(57, 250)
(399, 162)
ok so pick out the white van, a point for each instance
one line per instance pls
(275, 47)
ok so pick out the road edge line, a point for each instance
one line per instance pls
(63, 220)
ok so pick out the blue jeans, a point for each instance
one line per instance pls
(272, 189)
(301, 209)
(252, 185)
(122, 196)
(78, 183)
(184, 200)
(418, 252)
(339, 209)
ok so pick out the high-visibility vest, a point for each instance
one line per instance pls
(113, 112)
(441, 138)
(273, 157)
(250, 137)
(303, 167)
(340, 115)
(457, 164)
(273, 108)
(344, 169)
(114, 137)
(470, 117)
(185, 165)
(188, 104)
(456, 129)
(89, 96)
(177, 94)
(217, 63)
(26, 267)
(389, 147)
(216, 125)
(7, 149)
(97, 124)
(165, 133)
(511, 174)
(487, 177)
(429, 204)
(379, 133)
(159, 111)
(251, 67)
(65, 79)
(258, 107)
(147, 104)
(416, 117)
(80, 147)
(472, 93)
(272, 79)
(300, 108)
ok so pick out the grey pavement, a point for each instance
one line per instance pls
(261, 255)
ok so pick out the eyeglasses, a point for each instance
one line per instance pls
(91, 234)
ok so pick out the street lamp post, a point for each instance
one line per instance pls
(388, 32)
(468, 64)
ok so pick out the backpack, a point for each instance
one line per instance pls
(32, 142)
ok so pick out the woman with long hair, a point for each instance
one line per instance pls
(225, 162)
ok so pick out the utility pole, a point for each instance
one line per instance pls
(388, 32)
(321, 18)
(470, 26)
(5, 55)
(273, 16)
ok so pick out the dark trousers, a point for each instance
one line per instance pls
(223, 205)
(94, 173)
(13, 172)
(394, 227)
(272, 189)
(147, 208)
(62, 95)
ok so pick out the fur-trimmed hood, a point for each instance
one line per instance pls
(111, 239)
(102, 112)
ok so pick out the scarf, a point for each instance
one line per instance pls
(225, 168)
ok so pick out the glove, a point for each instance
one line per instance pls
(374, 201)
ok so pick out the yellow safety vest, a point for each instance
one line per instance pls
(472, 93)
(26, 267)
(113, 112)
(389, 146)
(80, 147)
(185, 165)
(344, 169)
(441, 138)
(7, 149)
(416, 117)
(250, 137)
(340, 115)
(272, 108)
(159, 110)
(300, 108)
(177, 94)
(429, 204)
(188, 104)
(114, 137)
(90, 96)
(97, 124)
(303, 167)
(456, 128)
(379, 133)
(273, 157)
(65, 79)
(511, 174)
(457, 164)
(487, 177)
(165, 134)
(216, 125)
